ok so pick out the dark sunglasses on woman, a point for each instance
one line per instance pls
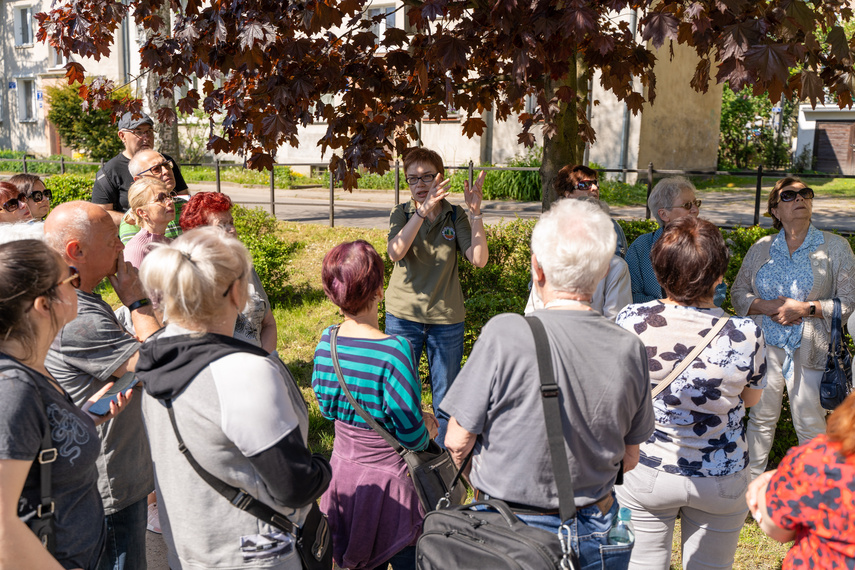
(39, 195)
(586, 185)
(790, 195)
(15, 203)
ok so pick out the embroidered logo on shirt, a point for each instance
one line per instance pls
(448, 233)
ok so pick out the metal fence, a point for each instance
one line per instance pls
(648, 175)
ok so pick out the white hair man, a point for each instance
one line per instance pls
(149, 163)
(112, 181)
(95, 349)
(601, 370)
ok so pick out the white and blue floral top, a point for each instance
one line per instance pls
(699, 428)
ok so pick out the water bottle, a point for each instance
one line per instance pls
(622, 531)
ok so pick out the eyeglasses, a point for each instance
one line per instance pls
(140, 133)
(162, 197)
(789, 195)
(426, 178)
(687, 205)
(15, 203)
(586, 185)
(232, 284)
(39, 195)
(73, 278)
(159, 168)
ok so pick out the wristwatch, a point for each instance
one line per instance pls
(812, 309)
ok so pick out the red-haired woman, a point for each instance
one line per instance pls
(256, 324)
(424, 300)
(374, 512)
(810, 497)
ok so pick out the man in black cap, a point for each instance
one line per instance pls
(113, 179)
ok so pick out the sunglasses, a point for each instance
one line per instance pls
(790, 195)
(162, 197)
(586, 185)
(426, 178)
(39, 195)
(16, 203)
(73, 278)
(687, 205)
(158, 169)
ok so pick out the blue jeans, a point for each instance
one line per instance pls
(444, 352)
(125, 548)
(589, 535)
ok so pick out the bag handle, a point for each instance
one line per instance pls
(836, 326)
(549, 393)
(691, 356)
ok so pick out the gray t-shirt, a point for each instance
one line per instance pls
(601, 371)
(29, 405)
(82, 358)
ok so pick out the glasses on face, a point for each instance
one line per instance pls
(232, 284)
(162, 198)
(140, 133)
(15, 203)
(687, 205)
(426, 178)
(39, 195)
(790, 195)
(159, 169)
(586, 185)
(73, 278)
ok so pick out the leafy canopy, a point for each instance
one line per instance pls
(263, 65)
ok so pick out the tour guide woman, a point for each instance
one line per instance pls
(787, 282)
(424, 300)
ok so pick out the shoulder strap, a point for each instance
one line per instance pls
(691, 356)
(836, 324)
(549, 393)
(356, 407)
(237, 497)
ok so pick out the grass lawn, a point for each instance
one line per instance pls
(837, 187)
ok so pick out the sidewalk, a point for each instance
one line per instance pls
(371, 208)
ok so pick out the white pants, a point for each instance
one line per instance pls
(808, 414)
(712, 511)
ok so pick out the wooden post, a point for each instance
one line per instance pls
(757, 195)
(649, 188)
(62, 164)
(217, 169)
(272, 192)
(24, 162)
(332, 199)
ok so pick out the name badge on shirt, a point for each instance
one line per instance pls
(448, 233)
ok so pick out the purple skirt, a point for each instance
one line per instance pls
(371, 502)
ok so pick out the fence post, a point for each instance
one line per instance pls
(332, 199)
(24, 161)
(218, 175)
(471, 173)
(649, 187)
(62, 164)
(397, 183)
(272, 192)
(757, 195)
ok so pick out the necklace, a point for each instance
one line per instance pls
(582, 305)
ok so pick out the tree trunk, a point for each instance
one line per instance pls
(566, 146)
(166, 134)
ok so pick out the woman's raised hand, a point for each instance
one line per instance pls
(474, 195)
(437, 192)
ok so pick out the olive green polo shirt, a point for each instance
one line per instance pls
(425, 286)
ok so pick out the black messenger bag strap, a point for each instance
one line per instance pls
(552, 414)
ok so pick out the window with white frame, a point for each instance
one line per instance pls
(24, 32)
(388, 21)
(56, 58)
(27, 104)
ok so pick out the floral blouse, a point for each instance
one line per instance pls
(699, 428)
(813, 493)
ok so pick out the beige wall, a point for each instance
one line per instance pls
(681, 129)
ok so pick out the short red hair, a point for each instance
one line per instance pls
(352, 274)
(200, 207)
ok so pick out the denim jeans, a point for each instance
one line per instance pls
(444, 352)
(589, 535)
(125, 549)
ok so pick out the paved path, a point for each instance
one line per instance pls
(370, 208)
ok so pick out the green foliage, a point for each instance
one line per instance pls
(257, 229)
(68, 187)
(193, 135)
(617, 193)
(634, 228)
(7, 165)
(91, 132)
(282, 175)
(741, 147)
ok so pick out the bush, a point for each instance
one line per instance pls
(257, 230)
(282, 176)
(68, 187)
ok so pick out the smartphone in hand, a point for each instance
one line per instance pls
(102, 406)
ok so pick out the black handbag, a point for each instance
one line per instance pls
(836, 381)
(432, 470)
(313, 542)
(464, 538)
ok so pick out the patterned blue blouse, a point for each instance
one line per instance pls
(788, 276)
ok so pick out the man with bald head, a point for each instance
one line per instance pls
(95, 349)
(151, 164)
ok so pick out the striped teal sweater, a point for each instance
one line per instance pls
(381, 377)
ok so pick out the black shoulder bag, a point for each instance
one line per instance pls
(432, 470)
(460, 537)
(836, 381)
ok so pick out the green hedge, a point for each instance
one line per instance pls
(68, 187)
(257, 229)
